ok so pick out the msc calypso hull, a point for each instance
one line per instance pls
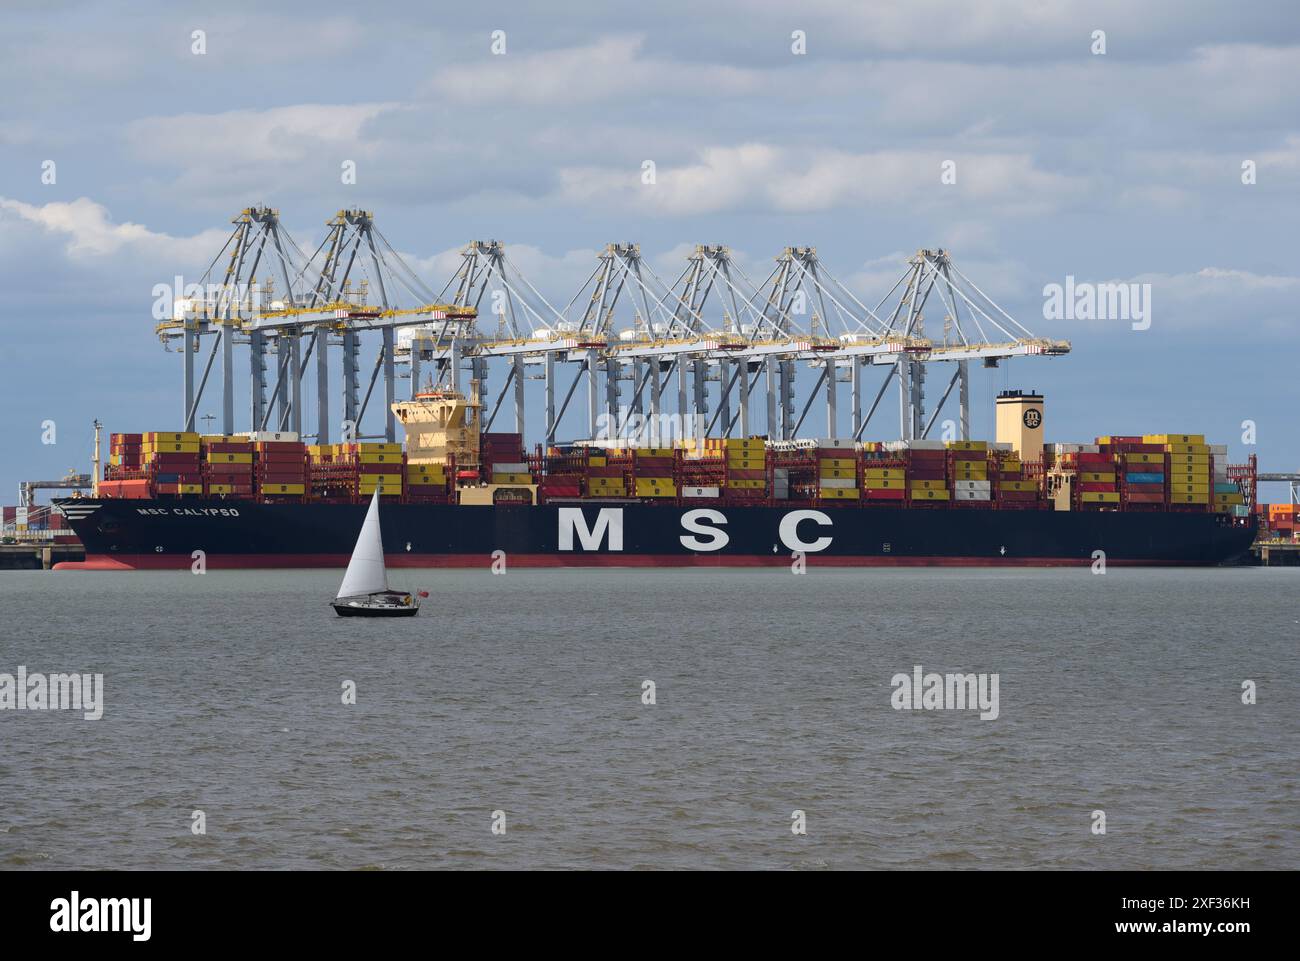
(166, 534)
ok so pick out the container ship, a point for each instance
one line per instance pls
(458, 497)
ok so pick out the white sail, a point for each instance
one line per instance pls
(366, 573)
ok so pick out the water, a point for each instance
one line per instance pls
(522, 693)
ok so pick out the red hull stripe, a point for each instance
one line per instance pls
(173, 562)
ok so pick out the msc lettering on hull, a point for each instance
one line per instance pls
(703, 530)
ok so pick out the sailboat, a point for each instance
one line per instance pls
(364, 591)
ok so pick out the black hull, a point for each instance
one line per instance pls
(343, 610)
(168, 534)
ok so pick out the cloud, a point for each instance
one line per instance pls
(88, 231)
(612, 68)
(790, 180)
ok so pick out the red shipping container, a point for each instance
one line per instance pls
(872, 494)
(605, 471)
(744, 493)
(979, 455)
(229, 448)
(746, 475)
(1145, 488)
(836, 453)
(1087, 457)
(1146, 498)
(281, 446)
(281, 457)
(171, 458)
(281, 478)
(937, 473)
(644, 464)
(1017, 495)
(1094, 486)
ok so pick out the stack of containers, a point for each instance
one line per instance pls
(378, 465)
(428, 483)
(1138, 469)
(654, 472)
(837, 470)
(702, 477)
(227, 465)
(969, 471)
(746, 468)
(1096, 483)
(172, 460)
(606, 475)
(1283, 519)
(884, 474)
(1013, 489)
(503, 454)
(1188, 459)
(927, 472)
(124, 452)
(279, 466)
(1228, 497)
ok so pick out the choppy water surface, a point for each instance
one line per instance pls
(522, 693)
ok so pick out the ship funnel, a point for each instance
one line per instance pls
(1020, 422)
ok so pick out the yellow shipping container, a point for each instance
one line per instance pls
(191, 488)
(1144, 458)
(835, 462)
(1188, 448)
(171, 438)
(753, 485)
(743, 464)
(966, 444)
(929, 485)
(606, 485)
(1198, 497)
(838, 493)
(1190, 460)
(746, 443)
(229, 458)
(220, 488)
(378, 457)
(839, 473)
(653, 452)
(170, 447)
(221, 439)
(931, 495)
(1100, 497)
(597, 460)
(1173, 438)
(655, 487)
(884, 473)
(283, 488)
(1098, 477)
(883, 484)
(1229, 498)
(973, 472)
(512, 478)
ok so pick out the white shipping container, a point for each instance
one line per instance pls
(925, 445)
(269, 435)
(699, 492)
(848, 443)
(973, 485)
(1219, 450)
(845, 482)
(971, 495)
(509, 468)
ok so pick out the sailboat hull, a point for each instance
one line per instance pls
(346, 610)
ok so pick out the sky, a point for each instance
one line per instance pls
(1123, 166)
